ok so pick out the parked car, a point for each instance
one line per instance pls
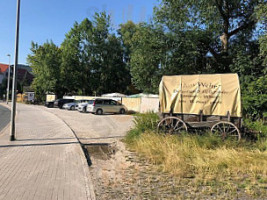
(82, 106)
(101, 106)
(49, 104)
(60, 102)
(74, 105)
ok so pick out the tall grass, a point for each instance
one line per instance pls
(191, 156)
(196, 156)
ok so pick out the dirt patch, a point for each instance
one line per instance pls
(101, 151)
(120, 174)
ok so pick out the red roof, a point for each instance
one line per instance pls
(3, 68)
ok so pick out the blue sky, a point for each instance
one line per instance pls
(43, 20)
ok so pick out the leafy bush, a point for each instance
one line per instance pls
(258, 126)
(143, 122)
(255, 99)
(258, 131)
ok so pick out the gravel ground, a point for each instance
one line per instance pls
(119, 174)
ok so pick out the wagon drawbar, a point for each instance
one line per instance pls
(201, 101)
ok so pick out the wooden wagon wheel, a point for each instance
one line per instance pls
(226, 130)
(171, 125)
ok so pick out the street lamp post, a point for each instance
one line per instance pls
(8, 81)
(14, 86)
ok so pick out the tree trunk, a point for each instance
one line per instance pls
(224, 39)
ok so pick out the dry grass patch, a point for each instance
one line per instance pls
(186, 156)
(207, 161)
(204, 162)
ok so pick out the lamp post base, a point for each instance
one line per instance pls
(12, 138)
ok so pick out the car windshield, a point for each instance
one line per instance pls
(90, 101)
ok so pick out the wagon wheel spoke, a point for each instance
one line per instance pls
(177, 125)
(223, 127)
(217, 129)
(226, 129)
(220, 128)
(179, 128)
(171, 125)
(232, 131)
(230, 134)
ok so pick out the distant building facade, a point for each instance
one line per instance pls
(24, 74)
(3, 70)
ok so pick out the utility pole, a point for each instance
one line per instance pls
(14, 86)
(8, 81)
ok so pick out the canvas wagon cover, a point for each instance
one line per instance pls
(214, 94)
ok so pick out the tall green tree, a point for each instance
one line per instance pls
(45, 61)
(110, 70)
(147, 47)
(219, 22)
(261, 13)
(153, 52)
(126, 32)
(76, 66)
(92, 59)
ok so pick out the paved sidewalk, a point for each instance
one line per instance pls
(45, 162)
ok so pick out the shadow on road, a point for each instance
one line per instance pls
(40, 144)
(44, 139)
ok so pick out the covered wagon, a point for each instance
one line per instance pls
(201, 101)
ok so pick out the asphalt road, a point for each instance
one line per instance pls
(4, 117)
(91, 128)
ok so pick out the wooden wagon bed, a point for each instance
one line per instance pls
(201, 101)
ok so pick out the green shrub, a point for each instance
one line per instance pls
(143, 122)
(258, 126)
(146, 122)
(254, 99)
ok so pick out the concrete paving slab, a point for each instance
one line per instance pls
(45, 162)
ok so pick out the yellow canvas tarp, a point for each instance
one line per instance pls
(214, 94)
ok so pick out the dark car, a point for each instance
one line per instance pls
(49, 104)
(60, 102)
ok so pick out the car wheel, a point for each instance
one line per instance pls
(72, 107)
(122, 111)
(99, 112)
